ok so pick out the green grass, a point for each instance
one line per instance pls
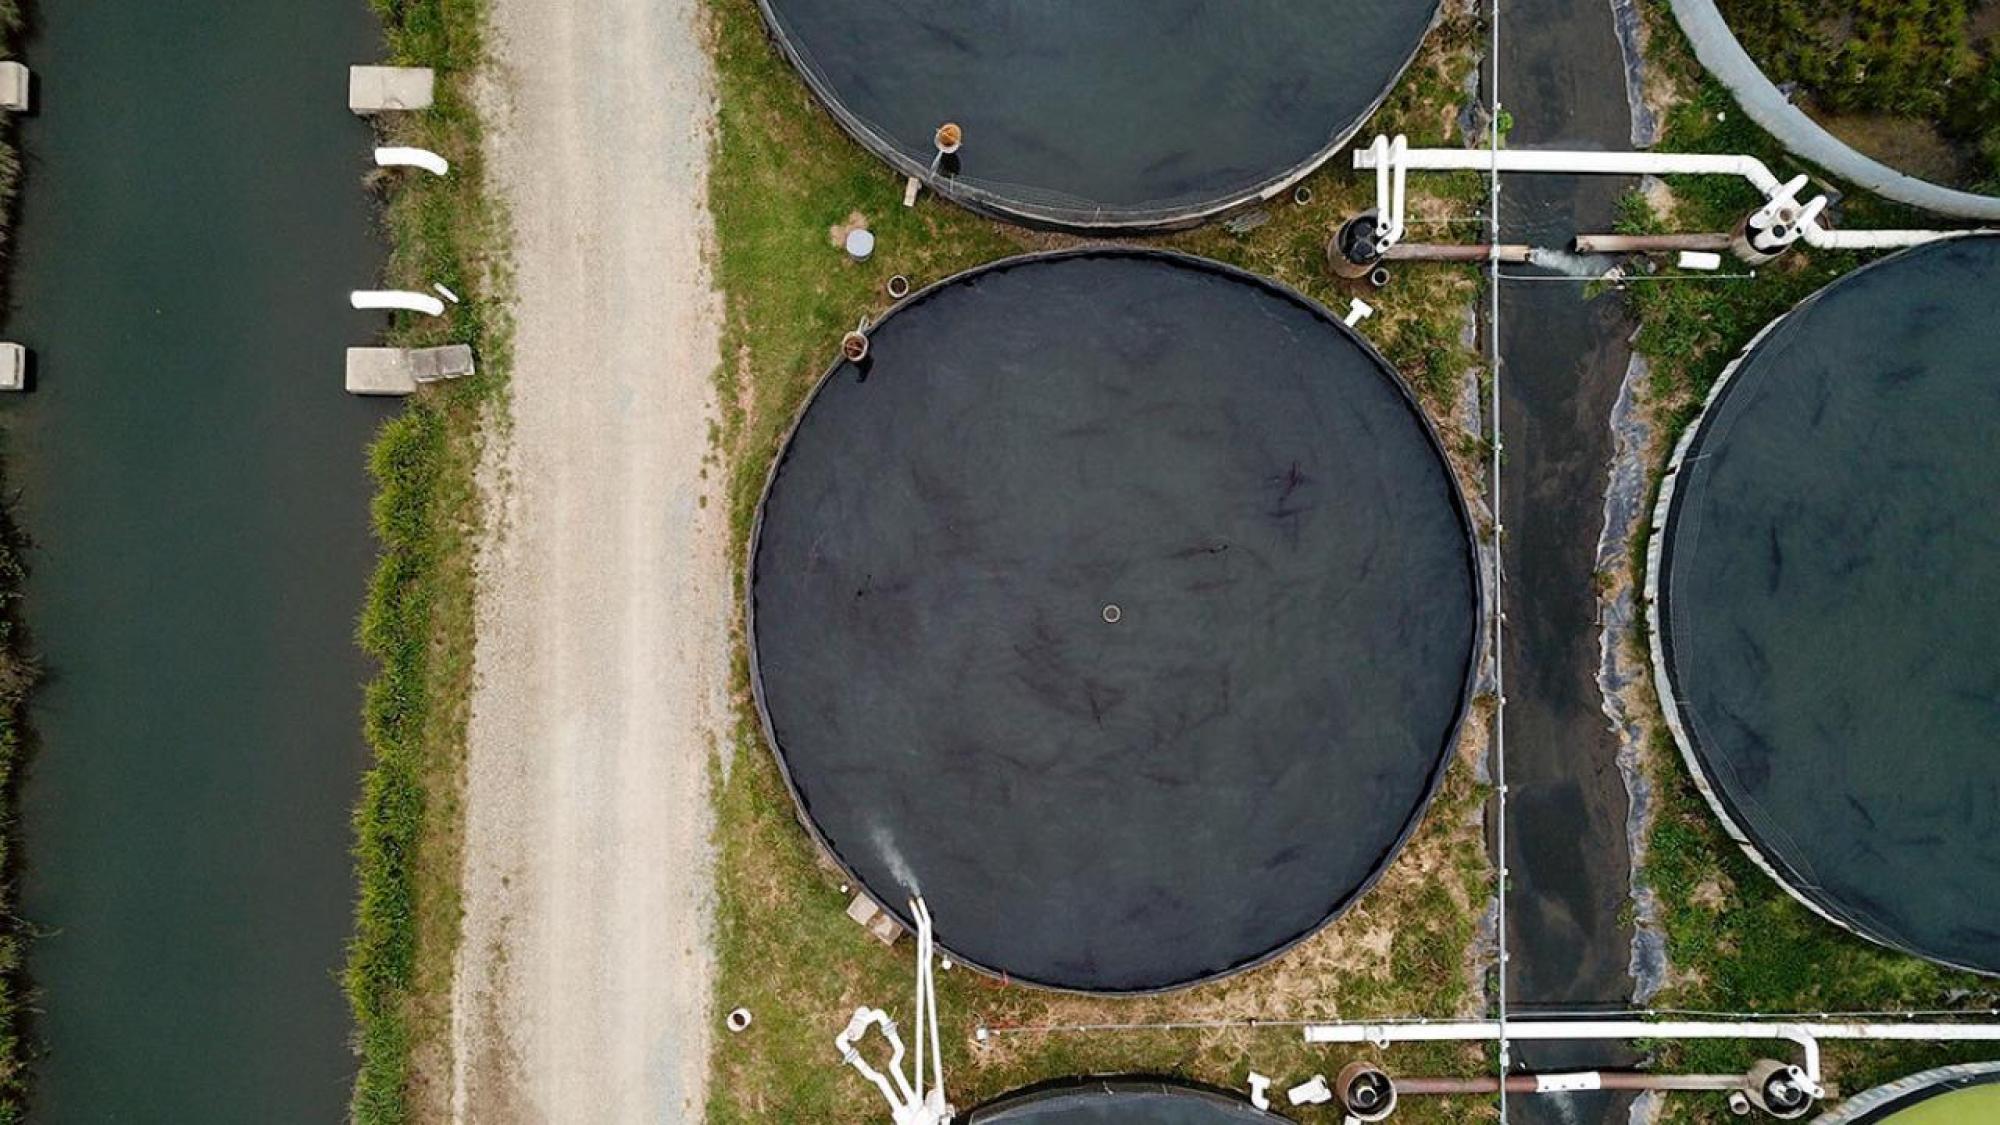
(1736, 940)
(418, 618)
(783, 177)
(1911, 58)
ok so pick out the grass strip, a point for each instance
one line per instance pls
(418, 619)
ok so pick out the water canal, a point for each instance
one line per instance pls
(1563, 356)
(192, 478)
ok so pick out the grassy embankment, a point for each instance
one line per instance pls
(17, 676)
(1922, 68)
(1736, 940)
(784, 177)
(418, 617)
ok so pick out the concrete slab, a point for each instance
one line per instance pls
(381, 89)
(880, 924)
(13, 367)
(400, 371)
(16, 87)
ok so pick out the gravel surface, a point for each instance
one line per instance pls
(582, 989)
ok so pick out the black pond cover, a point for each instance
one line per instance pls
(1830, 593)
(1032, 450)
(1120, 1101)
(1106, 112)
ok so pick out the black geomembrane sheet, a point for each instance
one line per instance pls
(1120, 1102)
(1831, 594)
(1121, 806)
(1111, 111)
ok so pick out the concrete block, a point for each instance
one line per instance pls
(880, 924)
(380, 89)
(400, 371)
(13, 367)
(16, 87)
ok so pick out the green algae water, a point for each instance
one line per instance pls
(1977, 1106)
(192, 476)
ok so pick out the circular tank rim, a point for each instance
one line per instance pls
(1476, 574)
(1079, 221)
(1114, 1083)
(1885, 1101)
(1659, 557)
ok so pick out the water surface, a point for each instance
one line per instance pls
(192, 475)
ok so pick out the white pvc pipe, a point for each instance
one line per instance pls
(1643, 164)
(396, 299)
(909, 1102)
(926, 1002)
(857, 1027)
(1398, 150)
(1806, 1034)
(1378, 159)
(424, 158)
(1581, 163)
(930, 1004)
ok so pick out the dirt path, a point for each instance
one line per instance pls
(583, 975)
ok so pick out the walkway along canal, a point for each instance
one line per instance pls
(192, 477)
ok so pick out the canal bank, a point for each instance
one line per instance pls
(193, 482)
(1563, 356)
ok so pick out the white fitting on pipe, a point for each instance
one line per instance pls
(1260, 1091)
(1315, 1092)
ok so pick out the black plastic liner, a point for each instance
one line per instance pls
(1830, 590)
(1107, 114)
(1119, 1101)
(1035, 448)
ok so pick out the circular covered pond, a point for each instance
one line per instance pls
(1120, 604)
(1825, 601)
(1119, 1101)
(1113, 113)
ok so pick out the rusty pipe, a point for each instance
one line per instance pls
(1565, 1083)
(1652, 243)
(1440, 252)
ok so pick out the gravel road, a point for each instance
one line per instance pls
(583, 976)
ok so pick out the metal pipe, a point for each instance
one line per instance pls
(1805, 1034)
(1651, 243)
(1624, 1080)
(1447, 252)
